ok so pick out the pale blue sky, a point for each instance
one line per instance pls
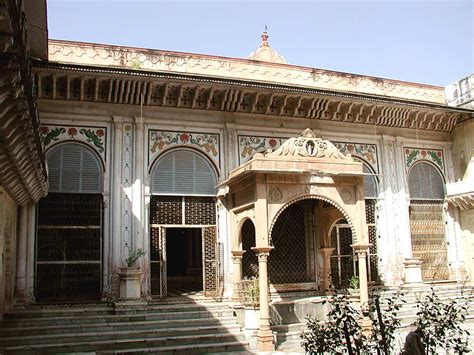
(427, 41)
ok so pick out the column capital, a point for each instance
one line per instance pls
(262, 252)
(237, 255)
(326, 252)
(361, 249)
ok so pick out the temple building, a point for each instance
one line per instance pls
(222, 170)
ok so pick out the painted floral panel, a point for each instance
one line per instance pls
(95, 137)
(250, 145)
(158, 141)
(366, 152)
(435, 156)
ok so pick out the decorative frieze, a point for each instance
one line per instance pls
(413, 155)
(127, 169)
(94, 137)
(159, 141)
(72, 83)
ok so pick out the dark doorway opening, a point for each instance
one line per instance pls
(184, 260)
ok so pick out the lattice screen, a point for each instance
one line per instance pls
(287, 262)
(428, 239)
(68, 247)
(169, 210)
(211, 252)
(372, 259)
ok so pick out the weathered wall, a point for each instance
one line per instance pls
(8, 225)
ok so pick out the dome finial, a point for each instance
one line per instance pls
(265, 37)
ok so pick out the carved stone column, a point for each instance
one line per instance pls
(265, 337)
(361, 251)
(326, 276)
(237, 271)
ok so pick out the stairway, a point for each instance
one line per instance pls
(179, 325)
(288, 335)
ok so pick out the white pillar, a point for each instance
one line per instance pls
(116, 254)
(139, 199)
(21, 256)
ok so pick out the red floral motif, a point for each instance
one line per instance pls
(72, 132)
(44, 129)
(423, 153)
(272, 142)
(184, 137)
(438, 154)
(407, 151)
(350, 147)
(100, 132)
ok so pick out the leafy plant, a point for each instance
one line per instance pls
(384, 322)
(342, 332)
(439, 324)
(354, 282)
(250, 293)
(133, 256)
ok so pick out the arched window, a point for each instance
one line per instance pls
(370, 184)
(425, 182)
(73, 168)
(426, 188)
(183, 172)
(69, 227)
(249, 258)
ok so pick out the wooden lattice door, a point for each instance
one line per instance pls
(211, 261)
(158, 261)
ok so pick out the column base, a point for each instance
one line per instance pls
(412, 272)
(265, 340)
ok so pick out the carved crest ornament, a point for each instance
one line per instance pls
(306, 146)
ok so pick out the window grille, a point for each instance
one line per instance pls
(287, 262)
(425, 183)
(74, 168)
(427, 228)
(183, 172)
(68, 247)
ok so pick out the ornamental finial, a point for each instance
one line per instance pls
(265, 37)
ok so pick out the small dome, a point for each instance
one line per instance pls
(265, 53)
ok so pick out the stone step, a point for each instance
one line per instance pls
(120, 344)
(109, 326)
(224, 348)
(51, 339)
(40, 312)
(62, 320)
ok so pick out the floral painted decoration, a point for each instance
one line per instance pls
(366, 152)
(412, 155)
(250, 145)
(93, 136)
(161, 140)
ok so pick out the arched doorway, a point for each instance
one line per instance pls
(249, 258)
(300, 236)
(426, 187)
(184, 251)
(69, 227)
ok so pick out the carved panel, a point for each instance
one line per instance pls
(249, 145)
(94, 137)
(208, 143)
(127, 164)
